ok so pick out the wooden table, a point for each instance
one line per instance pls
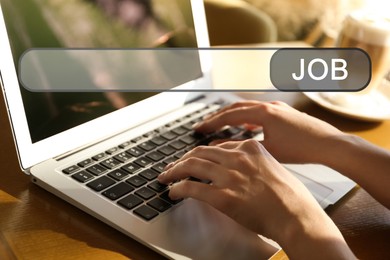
(35, 224)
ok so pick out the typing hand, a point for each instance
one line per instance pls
(251, 187)
(247, 184)
(289, 135)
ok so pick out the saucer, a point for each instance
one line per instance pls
(371, 107)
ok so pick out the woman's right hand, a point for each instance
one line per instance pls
(289, 135)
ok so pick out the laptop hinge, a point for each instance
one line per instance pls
(195, 99)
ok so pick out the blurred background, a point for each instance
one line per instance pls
(315, 22)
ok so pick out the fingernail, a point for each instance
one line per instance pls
(197, 125)
(161, 176)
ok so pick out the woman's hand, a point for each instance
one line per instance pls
(248, 184)
(289, 135)
(251, 187)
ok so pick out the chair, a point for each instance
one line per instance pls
(235, 22)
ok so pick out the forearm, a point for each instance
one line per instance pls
(363, 162)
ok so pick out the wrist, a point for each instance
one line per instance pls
(316, 237)
(364, 163)
(349, 154)
(337, 150)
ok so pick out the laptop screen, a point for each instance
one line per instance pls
(90, 24)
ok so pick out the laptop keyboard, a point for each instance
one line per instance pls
(126, 174)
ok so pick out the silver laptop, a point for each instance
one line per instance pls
(102, 151)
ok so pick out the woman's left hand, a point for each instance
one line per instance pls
(247, 184)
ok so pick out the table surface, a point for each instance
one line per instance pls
(36, 224)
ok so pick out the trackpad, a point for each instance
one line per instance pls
(319, 191)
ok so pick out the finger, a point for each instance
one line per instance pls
(211, 153)
(197, 168)
(234, 117)
(232, 144)
(219, 142)
(196, 190)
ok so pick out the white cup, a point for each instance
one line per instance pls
(371, 33)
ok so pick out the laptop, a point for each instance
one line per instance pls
(102, 151)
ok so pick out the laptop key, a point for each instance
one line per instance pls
(82, 176)
(147, 146)
(149, 174)
(165, 196)
(180, 154)
(145, 193)
(169, 160)
(159, 204)
(150, 134)
(134, 151)
(110, 163)
(160, 167)
(180, 130)
(118, 174)
(123, 157)
(129, 202)
(189, 148)
(166, 150)
(146, 212)
(97, 169)
(137, 139)
(169, 135)
(112, 150)
(136, 181)
(143, 161)
(188, 126)
(125, 144)
(71, 169)
(188, 139)
(85, 163)
(155, 156)
(157, 186)
(118, 191)
(99, 156)
(177, 144)
(131, 168)
(101, 183)
(158, 140)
